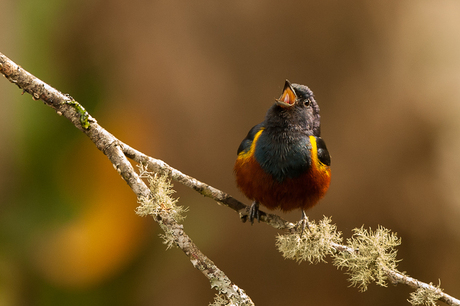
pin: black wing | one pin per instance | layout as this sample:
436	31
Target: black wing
246	143
323	153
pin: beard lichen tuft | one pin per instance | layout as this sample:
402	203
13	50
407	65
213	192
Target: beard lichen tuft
374	254
313	245
159	200
160	204
425	296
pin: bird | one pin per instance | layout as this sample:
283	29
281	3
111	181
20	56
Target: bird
283	163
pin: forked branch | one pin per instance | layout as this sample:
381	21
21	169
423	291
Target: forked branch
298	247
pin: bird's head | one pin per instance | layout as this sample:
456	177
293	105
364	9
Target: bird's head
297	106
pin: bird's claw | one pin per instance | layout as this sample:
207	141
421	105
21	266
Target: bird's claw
254	212
304	222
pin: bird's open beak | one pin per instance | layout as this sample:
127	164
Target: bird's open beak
288	97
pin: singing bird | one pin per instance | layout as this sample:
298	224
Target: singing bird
283	163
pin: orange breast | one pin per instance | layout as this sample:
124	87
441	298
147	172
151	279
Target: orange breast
300	192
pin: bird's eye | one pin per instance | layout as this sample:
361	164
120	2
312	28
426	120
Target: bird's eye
306	102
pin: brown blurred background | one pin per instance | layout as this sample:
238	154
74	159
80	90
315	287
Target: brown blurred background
184	81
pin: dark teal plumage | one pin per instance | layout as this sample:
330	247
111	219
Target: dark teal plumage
283	161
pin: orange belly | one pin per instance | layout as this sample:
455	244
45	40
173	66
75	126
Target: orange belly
301	192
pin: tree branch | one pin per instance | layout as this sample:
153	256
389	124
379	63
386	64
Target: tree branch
117	152
64	105
206	190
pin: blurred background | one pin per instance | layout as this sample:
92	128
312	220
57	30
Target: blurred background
184	81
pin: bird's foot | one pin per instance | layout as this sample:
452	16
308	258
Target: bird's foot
304	223
254	212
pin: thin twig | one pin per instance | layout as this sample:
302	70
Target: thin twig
397	277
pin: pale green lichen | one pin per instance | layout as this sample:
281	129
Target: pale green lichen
160	202
374	254
241	299
160	199
313	245
425	296
220	300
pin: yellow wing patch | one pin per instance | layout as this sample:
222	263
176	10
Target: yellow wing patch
250	152
316	163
